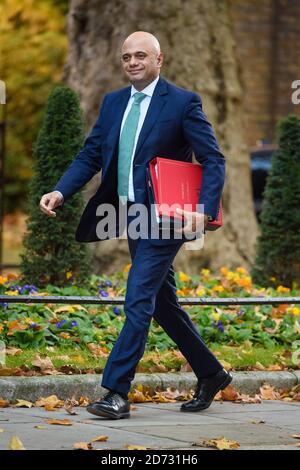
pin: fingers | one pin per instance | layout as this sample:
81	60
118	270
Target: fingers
49	202
194	222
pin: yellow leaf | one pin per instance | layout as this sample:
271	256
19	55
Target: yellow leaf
135	447
16	444
100	439
1	430
40	427
50	402
65	308
83	446
23	404
60	422
226	365
221	443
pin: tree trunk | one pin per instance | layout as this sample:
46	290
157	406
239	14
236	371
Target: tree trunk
196	38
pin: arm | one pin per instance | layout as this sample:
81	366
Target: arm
86	164
200	135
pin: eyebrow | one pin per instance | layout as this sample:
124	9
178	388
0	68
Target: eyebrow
136	52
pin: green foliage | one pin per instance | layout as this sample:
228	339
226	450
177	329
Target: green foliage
278	247
37	325
33	45
51	254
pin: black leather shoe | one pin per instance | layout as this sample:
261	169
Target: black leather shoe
111	406
206	390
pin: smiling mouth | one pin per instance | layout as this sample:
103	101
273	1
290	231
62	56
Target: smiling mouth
133	71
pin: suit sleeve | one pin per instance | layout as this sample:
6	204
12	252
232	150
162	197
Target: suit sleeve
86	164
200	135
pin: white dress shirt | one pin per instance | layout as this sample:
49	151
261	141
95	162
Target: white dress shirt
144	105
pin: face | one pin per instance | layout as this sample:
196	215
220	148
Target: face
141	62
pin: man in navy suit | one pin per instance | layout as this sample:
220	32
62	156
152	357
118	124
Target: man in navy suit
149	118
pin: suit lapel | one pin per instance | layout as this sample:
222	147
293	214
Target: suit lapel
156	104
120	107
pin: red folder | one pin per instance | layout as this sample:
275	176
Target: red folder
177	183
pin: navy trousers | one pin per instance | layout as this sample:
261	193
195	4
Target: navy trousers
151	293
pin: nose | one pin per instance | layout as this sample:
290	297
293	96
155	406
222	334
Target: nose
133	61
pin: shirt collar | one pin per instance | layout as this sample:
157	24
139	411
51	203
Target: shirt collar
149	90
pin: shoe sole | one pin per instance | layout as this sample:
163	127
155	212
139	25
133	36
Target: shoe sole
225	384
107	414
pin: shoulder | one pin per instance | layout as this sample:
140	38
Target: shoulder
182	94
111	96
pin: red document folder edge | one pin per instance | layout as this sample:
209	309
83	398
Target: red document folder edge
178	183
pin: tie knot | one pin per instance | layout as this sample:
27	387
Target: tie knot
138	97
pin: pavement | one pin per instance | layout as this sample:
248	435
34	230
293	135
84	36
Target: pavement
265	426
66	386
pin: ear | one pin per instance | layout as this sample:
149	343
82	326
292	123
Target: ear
160	59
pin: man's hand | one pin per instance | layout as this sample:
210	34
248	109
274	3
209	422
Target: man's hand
50	201
196	222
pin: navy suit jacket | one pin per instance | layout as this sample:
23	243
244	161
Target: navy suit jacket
175	126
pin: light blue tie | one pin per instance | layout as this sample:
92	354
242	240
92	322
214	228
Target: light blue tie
126	145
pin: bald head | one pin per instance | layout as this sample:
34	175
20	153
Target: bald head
142	38
141	58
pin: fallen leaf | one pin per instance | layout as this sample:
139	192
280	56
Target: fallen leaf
4	403
84	401
259	366
257	422
60	422
274	367
97	351
69	404
100	439
83	446
186	368
226	365
229	394
247	399
7	371
45	365
23	404
268	393
296	436
50	403
40	427
135	447
221	443
16	444
13	351
1	430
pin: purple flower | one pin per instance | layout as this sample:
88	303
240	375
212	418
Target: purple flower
3	304
32	326
103	293
74	323
28	287
108	283
117	310
218	325
61	323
